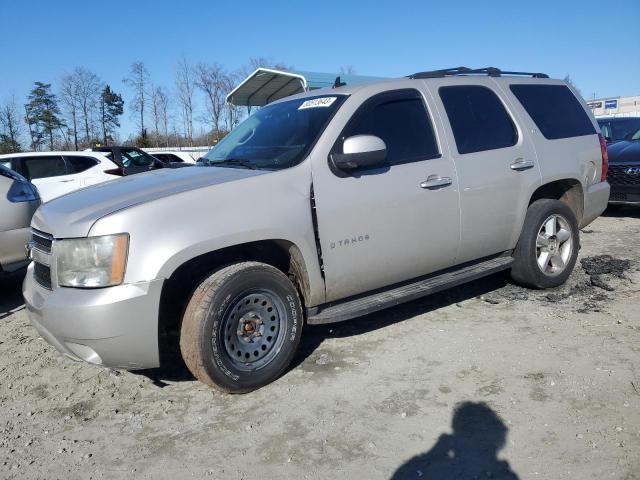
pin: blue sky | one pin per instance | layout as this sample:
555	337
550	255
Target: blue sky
596	43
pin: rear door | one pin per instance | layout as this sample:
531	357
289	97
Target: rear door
86	169
49	173
379	227
496	164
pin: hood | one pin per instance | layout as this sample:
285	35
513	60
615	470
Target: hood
624	152
72	215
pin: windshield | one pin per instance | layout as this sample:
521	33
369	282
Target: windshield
276	136
619	129
633	136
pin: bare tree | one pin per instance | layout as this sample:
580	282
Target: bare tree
210	78
69	100
347	70
185	85
233	113
162	99
138	80
10	127
88	88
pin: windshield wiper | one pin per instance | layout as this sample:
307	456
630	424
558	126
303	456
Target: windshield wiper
233	161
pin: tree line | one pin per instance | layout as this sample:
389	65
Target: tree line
82	110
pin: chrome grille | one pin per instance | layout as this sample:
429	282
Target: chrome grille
42	275
42	241
623	175
41	244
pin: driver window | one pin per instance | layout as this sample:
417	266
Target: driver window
401	120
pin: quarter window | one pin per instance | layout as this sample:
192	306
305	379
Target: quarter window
555	110
401	120
43	167
478	119
80	164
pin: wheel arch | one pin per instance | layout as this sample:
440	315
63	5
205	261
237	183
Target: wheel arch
567	190
183	279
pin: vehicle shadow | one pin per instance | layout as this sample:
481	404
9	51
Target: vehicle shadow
11	299
174	369
622	211
470	452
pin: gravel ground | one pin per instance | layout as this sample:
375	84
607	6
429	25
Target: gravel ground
488	380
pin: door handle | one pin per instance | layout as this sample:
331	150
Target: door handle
434	181
67	181
521	164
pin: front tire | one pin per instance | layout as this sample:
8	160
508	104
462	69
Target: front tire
241	327
548	246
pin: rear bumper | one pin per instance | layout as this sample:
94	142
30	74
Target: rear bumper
114	327
595	202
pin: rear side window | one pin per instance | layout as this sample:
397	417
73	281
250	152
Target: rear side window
555	110
80	164
401	120
43	167
478	119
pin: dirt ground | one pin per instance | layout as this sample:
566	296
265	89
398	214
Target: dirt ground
488	380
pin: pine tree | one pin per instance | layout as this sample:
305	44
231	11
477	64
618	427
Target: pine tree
111	107
43	115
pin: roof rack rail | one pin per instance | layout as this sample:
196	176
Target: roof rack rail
491	71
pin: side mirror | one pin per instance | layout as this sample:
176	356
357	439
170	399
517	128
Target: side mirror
361	151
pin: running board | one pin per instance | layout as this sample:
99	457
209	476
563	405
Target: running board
362	305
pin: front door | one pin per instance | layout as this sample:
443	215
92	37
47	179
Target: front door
384	226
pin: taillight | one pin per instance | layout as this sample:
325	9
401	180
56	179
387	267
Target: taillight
116	171
605	157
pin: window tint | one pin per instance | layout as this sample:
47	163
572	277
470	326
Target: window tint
43	167
167	157
617	129
136	158
401	120
478	119
80	164
555	110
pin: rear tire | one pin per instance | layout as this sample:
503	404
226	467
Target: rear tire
548	246
241	327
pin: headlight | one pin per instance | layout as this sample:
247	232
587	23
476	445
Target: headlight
92	262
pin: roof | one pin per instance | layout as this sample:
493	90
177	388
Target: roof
266	85
84	153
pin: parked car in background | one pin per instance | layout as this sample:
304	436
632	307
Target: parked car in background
624	170
174	156
337	203
133	160
19	200
615	129
58	173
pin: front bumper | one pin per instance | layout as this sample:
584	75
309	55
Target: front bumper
595	202
114	327
625	194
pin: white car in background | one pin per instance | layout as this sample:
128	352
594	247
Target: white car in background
58	173
174	156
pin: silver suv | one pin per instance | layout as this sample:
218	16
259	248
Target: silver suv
319	208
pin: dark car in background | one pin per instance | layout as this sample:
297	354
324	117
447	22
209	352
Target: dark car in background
133	160
624	170
615	129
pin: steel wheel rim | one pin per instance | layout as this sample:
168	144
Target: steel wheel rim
554	245
252	329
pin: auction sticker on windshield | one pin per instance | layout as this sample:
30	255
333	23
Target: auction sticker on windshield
317	102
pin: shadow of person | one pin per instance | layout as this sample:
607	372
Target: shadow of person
469	453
